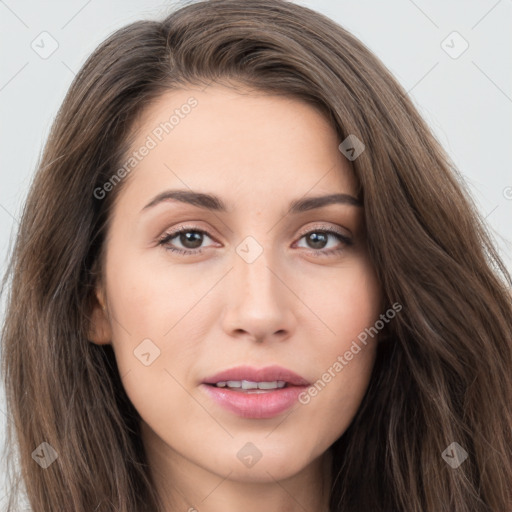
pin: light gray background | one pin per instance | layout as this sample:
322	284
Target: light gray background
466	100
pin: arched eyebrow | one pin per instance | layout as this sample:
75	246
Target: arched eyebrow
215	203
310	203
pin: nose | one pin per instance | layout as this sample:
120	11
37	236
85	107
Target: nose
258	305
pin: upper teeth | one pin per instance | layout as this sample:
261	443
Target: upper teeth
247	384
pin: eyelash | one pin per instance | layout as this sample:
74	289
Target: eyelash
167	237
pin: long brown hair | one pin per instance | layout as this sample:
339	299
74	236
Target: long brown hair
443	373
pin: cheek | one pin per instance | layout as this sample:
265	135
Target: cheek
345	355
149	306
150	300
348	304
159	315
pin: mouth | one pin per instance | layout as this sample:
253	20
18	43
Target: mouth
247	386
248	377
255	393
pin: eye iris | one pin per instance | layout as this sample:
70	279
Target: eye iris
194	239
318	240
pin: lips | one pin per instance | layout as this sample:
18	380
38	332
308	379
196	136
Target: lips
251	374
234	390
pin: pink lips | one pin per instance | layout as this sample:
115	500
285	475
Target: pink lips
261	405
267	374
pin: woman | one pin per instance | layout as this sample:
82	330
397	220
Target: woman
248	278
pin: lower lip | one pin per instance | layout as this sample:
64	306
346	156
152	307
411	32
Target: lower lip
255	405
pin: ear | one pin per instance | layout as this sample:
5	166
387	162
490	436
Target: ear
99	332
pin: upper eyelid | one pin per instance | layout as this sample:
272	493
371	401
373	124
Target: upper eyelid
169	235
184	227
323	227
173	233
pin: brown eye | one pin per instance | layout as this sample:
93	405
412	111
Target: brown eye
191	239
185	240
318	240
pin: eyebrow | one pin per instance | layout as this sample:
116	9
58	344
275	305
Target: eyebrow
214	203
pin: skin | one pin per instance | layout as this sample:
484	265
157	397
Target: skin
294	306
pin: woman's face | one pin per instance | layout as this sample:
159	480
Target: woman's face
264	285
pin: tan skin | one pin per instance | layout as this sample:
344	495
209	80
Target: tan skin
296	305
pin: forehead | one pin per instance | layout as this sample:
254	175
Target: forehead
225	140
